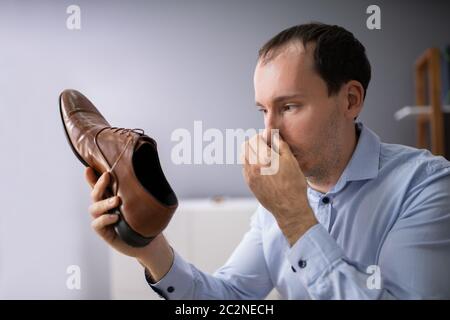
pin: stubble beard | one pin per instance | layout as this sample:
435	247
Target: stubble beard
328	154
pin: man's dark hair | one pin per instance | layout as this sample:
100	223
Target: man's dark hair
338	56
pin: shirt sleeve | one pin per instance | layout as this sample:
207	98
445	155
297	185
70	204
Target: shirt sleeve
244	275
413	260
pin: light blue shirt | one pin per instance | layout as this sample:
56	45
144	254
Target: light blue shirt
384	233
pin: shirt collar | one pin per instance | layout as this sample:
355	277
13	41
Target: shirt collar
364	163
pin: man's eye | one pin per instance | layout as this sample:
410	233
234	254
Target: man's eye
262	110
290	107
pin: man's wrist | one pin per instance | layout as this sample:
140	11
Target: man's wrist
158	258
298	226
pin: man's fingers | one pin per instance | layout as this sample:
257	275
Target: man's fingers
91	176
250	153
256	151
261	150
100	223
100	187
264	151
280	145
267	136
101	207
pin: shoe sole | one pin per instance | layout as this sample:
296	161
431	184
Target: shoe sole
121	227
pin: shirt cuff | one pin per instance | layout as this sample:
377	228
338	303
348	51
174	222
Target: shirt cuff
315	253
176	283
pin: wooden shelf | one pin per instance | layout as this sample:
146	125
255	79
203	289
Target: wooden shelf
414	111
428	112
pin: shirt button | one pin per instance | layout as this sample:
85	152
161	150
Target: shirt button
325	200
170	289
293	269
302	263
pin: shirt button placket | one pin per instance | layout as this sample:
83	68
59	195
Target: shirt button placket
325	211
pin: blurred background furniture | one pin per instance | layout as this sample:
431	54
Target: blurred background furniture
431	92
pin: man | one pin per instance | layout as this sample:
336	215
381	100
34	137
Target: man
343	208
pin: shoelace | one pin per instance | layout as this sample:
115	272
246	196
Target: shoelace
120	131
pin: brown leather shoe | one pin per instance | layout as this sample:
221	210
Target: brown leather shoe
147	200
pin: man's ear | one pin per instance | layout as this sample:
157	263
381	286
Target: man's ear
354	95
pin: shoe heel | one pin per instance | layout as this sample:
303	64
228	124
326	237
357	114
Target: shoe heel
128	235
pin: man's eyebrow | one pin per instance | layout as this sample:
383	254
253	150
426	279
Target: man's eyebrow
283	98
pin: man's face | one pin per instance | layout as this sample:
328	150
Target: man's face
294	99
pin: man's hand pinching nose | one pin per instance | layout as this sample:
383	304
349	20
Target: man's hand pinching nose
282	192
